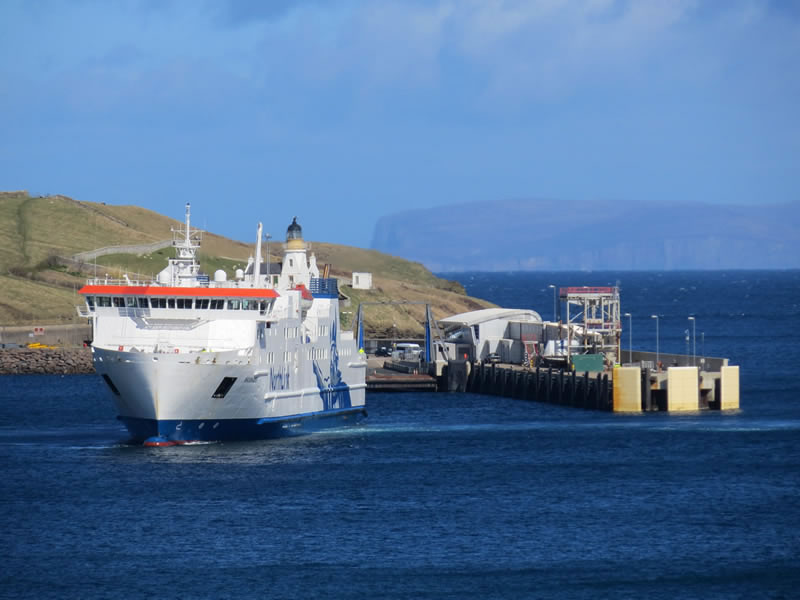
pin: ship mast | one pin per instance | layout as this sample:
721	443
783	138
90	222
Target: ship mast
257	265
183	269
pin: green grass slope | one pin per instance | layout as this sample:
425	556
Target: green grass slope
36	289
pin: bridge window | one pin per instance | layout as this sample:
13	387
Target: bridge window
233	305
201	303
158	302
119	302
130	302
217	304
170	302
142	302
184	302
90	302
103	301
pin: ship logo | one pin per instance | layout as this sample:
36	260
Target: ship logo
279	380
335	393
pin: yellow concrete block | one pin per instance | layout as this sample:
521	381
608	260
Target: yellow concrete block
683	389
729	388
627	389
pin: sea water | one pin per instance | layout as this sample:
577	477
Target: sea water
435	495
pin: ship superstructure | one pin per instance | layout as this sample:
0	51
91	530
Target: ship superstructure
190	358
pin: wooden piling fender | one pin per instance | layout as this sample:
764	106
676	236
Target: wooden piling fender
529	385
607	401
573	391
585	391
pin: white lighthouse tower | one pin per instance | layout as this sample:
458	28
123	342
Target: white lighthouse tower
298	268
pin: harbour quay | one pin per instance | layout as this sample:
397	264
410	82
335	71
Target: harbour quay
632	387
623	389
575	360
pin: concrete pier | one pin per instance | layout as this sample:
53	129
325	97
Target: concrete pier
729	388
683	389
626	389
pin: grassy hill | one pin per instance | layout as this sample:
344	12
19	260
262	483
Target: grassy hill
36	290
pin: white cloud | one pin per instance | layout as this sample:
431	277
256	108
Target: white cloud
548	49
504	52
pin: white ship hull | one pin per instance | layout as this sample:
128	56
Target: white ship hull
171	396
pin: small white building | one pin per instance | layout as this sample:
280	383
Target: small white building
478	333
362	281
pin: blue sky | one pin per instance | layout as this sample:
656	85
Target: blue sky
340	112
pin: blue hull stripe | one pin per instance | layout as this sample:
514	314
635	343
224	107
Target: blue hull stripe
311	415
211	430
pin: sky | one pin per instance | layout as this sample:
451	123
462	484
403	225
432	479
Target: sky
342	111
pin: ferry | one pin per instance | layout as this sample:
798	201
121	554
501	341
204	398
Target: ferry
190	358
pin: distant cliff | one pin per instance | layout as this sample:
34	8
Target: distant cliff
560	235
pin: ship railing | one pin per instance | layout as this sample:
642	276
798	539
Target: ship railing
199	282
114	281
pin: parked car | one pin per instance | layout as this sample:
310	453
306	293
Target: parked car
494	357
382	351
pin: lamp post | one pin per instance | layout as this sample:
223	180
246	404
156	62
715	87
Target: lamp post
554	301
694	342
657	354
630	337
703	347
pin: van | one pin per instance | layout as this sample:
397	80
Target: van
406	351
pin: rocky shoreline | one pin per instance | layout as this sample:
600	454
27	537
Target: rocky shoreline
42	361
